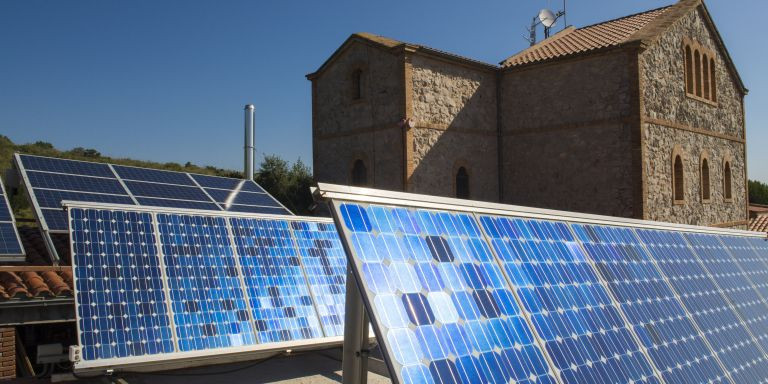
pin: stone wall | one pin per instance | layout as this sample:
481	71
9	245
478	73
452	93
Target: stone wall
665	100
7	353
454	108
345	129
659	143
663	77
567	135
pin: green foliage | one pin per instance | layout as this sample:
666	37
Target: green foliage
287	183
758	192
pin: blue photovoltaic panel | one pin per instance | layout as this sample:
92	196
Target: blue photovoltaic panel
227	183
733	281
72	167
55	219
650	306
121	306
75	183
153	202
166	191
713	314
9	240
441	305
5	208
153	175
750	260
246	198
325	265
209	307
584	332
48	198
282	307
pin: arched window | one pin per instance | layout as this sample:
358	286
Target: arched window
357	84
705	186
705	70
678	179
727	191
462	183
688	70
697	71
359	173
712	80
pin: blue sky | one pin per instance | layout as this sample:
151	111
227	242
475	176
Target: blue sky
167	80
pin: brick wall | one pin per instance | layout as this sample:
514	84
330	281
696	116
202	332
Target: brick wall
7	353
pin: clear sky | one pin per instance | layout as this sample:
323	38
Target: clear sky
167	80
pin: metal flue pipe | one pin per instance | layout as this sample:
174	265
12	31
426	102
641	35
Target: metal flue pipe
249	146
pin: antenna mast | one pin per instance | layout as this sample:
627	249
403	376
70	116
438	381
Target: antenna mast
548	19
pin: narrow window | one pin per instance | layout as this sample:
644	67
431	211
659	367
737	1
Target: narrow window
688	70
706	77
678	182
727	192
705	180
712	80
462	183
697	69
357	84
359	173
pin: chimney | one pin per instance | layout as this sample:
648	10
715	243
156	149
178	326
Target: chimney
249	142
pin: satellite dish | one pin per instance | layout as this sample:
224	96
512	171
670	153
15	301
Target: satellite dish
547	18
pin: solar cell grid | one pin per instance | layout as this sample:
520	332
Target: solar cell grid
153	175
733	281
650	306
325	264
72	167
227	183
240	197
55	219
120	299
277	210
5	208
9	240
584	333
167	191
48	198
209	307
442	307
185	204
713	314
281	304
75	183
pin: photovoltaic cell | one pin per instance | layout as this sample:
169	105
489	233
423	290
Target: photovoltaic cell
209	307
55	218
246	198
121	306
571	310
227	183
442	307
75	183
48	198
658	318
9	240
72	167
153	202
254	209
713	314
153	175
325	265
282	307
5	207
166	191
733	281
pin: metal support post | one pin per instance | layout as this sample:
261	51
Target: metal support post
355	355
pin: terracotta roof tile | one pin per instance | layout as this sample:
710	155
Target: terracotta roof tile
759	224
572	41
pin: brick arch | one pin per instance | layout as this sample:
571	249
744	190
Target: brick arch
677	174
727	172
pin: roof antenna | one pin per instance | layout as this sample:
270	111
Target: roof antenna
546	18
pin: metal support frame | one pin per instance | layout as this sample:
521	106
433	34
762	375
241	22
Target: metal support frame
354	364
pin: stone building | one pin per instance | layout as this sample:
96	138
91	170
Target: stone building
641	116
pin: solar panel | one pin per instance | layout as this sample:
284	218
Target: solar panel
281	304
439	301
50	181
655	312
712	313
718	254
325	264
10	242
571	310
157	285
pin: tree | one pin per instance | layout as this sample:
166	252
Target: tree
289	184
758	192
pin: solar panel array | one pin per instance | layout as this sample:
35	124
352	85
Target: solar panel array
157	284
50	181
10	243
550	300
